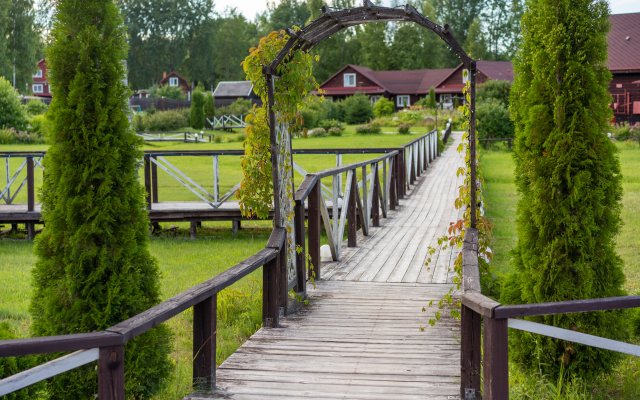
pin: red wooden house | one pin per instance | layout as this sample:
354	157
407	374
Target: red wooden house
624	64
173	79
40	82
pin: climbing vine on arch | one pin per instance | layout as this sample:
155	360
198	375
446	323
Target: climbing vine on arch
293	83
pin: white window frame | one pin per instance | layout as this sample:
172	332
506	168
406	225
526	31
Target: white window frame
349	80
38	74
39	86
174	81
403	101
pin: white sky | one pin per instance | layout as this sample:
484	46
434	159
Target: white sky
252	7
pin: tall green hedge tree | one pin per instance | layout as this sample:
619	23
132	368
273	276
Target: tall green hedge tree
94	268
568	176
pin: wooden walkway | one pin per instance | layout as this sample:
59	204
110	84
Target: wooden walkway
361	335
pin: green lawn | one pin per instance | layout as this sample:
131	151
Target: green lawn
501	197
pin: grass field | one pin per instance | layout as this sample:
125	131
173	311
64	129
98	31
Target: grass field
501	198
185	263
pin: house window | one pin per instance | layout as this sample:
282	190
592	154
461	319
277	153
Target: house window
173	81
349	80
374	99
38	74
403	101
37	88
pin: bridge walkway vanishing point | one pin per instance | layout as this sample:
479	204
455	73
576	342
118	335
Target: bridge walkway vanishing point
360	337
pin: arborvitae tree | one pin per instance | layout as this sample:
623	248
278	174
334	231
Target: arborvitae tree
196	114
94	268
568	177
432	103
209	106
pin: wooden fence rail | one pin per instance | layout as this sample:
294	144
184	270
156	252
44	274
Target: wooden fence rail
478	309
360	205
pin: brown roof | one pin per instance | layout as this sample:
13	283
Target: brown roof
624	42
496	70
395	82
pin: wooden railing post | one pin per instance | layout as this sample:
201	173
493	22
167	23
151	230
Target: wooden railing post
111	373
496	359
471	325
31	198
352	215
412	167
154	181
375	197
270	312
283	279
204	344
393	184
314	230
400	174
301	254
147	180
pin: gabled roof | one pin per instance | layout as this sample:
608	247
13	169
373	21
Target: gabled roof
624	42
496	70
395	82
233	89
173	74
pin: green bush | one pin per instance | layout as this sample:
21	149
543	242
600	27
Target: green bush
209	106
369	129
12	114
169	92
317	132
494	122
36	107
383	107
12	136
93	267
404	129
40	125
309	117
196	115
162	121
494	90
625	131
357	109
332	110
137	122
331	123
238	107
335	131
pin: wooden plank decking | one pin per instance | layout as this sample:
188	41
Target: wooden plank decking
360	337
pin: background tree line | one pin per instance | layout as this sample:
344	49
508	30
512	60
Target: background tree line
206	47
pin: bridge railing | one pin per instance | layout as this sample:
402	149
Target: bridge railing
478	310
107	347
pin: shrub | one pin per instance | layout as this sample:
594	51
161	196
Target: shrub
383	107
12	136
368	129
162	121
625	131
335	131
569	185
170	92
209	106
196	114
40	125
137	122
317	132
238	107
494	90
309	118
36	107
331	123
404	129
332	110
357	109
93	265
12	114
494	121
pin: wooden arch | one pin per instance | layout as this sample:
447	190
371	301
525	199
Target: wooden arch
333	21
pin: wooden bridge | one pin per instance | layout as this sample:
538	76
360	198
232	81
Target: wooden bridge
364	334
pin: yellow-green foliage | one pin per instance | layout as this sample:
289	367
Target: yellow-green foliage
568	176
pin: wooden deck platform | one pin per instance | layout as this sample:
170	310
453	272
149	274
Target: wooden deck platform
361	335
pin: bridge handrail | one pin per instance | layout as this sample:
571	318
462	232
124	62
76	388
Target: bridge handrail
498	318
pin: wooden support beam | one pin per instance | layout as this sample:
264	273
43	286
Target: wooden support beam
270	311
375	198
154	181
301	254
496	359
470	329
111	373
31	198
204	344
314	230
147	180
352	217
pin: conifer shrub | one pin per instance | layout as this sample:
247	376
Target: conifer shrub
209	106
357	109
12	114
494	121
94	268
196	116
383	107
568	177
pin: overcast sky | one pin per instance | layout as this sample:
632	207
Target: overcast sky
251	7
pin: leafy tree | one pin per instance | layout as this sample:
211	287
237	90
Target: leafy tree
12	114
19	41
458	14
285	14
374	51
196	115
494	89
234	37
383	107
568	178
357	109
494	121
94	268
501	22
406	47
170	92
475	44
